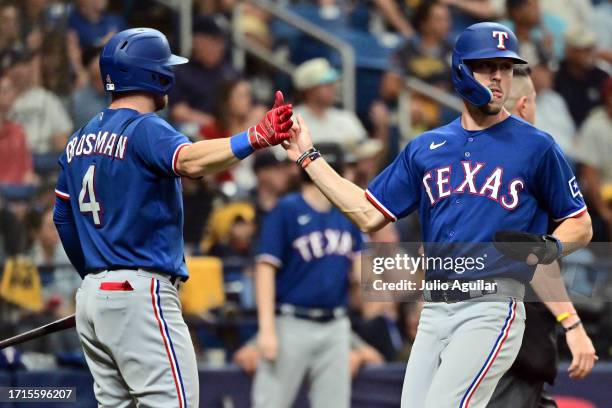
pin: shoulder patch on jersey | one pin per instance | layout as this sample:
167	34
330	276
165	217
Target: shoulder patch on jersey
574	187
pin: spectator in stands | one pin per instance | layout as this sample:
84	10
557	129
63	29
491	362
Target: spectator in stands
364	161
409	316
193	98
55	73
12	234
35	22
594	152
49	256
90	25
426	55
603	29
564	15
316	80
234	111
526	19
468	12
578	80
213	6
38	110
90	99
273	180
378	326
229	236
198	199
552	115
570	14
396	15
15	157
9	28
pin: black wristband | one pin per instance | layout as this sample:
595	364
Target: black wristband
311	153
573	326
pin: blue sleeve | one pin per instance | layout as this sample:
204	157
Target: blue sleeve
396	190
556	185
158	144
61	187
272	237
64	222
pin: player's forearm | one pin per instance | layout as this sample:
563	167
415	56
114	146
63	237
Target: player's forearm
346	196
548	284
574	233
206	157
265	292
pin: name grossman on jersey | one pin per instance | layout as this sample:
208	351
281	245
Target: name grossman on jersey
408	285
102	143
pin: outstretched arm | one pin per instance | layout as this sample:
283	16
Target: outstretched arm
211	156
346	196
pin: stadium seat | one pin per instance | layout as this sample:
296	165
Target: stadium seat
204	288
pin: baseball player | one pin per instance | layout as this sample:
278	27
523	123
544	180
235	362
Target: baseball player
120	218
470	180
304	263
523	384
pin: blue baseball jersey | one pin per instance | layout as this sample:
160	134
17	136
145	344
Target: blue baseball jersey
119	174
312	250
467	185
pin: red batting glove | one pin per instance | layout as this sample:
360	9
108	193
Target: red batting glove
274	127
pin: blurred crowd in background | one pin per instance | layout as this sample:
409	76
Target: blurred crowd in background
50	86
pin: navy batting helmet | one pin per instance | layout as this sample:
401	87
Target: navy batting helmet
481	41
138	59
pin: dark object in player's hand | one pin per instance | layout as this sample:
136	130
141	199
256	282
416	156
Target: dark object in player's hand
526	247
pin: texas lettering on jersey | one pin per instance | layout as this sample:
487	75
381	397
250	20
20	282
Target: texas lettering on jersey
437	184
318	244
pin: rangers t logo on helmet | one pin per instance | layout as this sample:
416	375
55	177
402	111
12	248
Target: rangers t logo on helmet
501	36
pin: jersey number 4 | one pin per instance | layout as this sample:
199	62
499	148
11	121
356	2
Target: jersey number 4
88	191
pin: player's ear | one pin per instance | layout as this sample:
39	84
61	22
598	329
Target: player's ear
521	106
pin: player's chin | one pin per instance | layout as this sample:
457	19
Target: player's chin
493	107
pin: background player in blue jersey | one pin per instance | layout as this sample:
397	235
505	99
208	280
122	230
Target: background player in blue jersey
120	218
304	266
523	384
483	173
